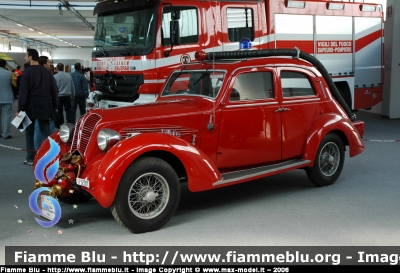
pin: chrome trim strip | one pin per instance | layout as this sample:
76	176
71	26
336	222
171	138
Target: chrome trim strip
304	100
278	168
252	104
322	88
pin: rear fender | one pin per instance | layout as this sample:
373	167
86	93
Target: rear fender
326	124
201	171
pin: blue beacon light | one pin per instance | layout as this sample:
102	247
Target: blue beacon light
244	44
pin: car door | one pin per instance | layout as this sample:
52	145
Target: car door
301	106
250	131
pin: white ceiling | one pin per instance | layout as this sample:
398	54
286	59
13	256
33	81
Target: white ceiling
73	27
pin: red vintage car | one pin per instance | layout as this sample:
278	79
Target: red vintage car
228	118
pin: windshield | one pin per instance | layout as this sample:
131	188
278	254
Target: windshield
131	30
194	82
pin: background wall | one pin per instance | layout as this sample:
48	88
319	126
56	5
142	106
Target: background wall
391	90
72	55
18	58
67	56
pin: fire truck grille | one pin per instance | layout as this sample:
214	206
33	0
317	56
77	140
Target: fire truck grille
83	132
124	87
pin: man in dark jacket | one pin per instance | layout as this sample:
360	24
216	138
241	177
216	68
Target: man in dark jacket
81	91
38	97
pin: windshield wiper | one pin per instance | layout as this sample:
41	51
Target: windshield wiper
102	50
172	79
202	76
129	49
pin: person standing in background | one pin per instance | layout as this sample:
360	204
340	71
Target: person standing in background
38	97
38	140
81	92
14	83
17	74
53	69
6	99
66	93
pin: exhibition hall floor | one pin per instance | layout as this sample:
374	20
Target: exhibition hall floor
360	209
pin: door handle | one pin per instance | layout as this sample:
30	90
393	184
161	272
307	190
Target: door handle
282	109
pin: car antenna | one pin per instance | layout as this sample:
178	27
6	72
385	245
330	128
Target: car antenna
210	125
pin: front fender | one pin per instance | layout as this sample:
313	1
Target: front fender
328	123
201	171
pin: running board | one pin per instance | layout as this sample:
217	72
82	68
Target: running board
249	173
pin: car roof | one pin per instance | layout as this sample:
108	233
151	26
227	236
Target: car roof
232	64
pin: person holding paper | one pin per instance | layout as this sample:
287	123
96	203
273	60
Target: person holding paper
38	97
6	99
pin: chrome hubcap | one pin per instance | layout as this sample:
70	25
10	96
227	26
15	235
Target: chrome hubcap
148	196
329	159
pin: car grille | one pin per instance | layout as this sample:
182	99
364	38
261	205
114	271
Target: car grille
83	132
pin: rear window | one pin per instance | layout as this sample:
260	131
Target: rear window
295	84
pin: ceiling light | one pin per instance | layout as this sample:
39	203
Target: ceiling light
296	4
368	8
40	32
19	25
336	6
30	29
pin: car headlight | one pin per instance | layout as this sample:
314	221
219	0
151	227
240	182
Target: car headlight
107	138
66	132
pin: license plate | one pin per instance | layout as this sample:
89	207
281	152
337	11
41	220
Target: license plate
83	182
47	207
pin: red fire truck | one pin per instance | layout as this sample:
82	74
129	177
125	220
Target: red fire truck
138	43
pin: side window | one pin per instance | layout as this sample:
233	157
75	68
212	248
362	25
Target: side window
296	84
240	24
252	86
188	25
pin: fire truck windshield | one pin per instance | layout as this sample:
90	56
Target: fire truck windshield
194	82
130	31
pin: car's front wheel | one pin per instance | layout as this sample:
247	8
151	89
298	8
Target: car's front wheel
148	195
328	162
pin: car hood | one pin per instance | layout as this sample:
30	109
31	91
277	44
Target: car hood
174	108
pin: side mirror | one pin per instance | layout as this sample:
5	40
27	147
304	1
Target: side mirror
175	34
175	15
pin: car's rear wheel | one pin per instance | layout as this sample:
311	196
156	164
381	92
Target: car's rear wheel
147	196
328	162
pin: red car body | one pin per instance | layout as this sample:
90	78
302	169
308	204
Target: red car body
212	140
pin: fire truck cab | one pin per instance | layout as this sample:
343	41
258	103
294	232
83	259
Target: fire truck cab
138	43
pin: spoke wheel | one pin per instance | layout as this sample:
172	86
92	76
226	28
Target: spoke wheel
329	159
328	162
147	196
